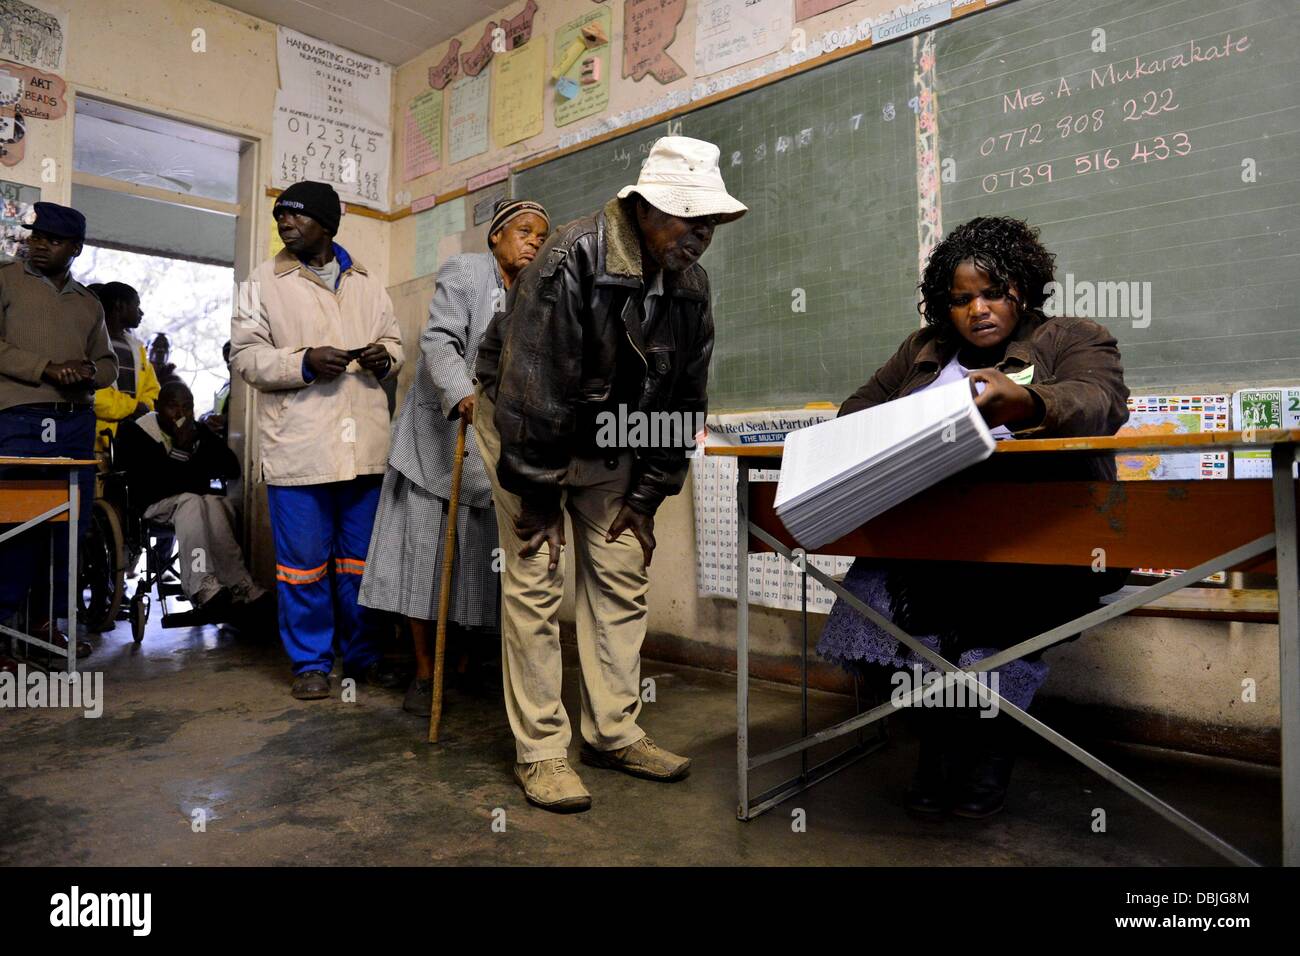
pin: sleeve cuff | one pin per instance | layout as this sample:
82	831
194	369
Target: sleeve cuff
1046	421
449	409
308	375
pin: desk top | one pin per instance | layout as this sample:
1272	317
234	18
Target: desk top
1200	441
49	462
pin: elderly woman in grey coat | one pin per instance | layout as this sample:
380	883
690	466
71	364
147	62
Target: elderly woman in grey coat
404	565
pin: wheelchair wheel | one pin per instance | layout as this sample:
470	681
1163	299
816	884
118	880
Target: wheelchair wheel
139	616
101	568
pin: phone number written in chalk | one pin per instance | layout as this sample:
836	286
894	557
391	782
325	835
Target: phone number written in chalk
1144	151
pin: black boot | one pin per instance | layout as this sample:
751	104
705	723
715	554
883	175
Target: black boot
928	794
983	787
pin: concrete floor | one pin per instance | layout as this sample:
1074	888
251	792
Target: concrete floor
202	719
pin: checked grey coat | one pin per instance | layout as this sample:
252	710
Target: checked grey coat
424	435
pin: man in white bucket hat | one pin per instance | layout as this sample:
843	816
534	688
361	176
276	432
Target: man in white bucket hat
611	323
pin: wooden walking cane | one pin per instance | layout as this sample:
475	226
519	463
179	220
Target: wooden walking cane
444	589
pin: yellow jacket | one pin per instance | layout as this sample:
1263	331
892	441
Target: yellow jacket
113	406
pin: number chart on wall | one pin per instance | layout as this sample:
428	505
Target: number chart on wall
331	119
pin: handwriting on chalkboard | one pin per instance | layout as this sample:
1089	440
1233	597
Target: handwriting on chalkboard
649	28
446	69
1088	139
1114	74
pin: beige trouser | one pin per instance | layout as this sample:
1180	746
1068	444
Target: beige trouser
611	587
210	557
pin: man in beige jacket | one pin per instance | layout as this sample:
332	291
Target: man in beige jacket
314	333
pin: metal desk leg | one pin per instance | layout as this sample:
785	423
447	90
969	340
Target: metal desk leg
742	638
1288	606
74	512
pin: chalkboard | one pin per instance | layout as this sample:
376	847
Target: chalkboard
824	160
1165	165
1168	189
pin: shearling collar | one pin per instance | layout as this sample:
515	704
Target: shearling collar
621	250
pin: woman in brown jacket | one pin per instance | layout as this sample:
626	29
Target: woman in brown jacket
1038	377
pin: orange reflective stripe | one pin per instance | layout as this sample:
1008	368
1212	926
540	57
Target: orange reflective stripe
349	566
298	575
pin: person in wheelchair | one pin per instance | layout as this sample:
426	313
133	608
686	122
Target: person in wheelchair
170	461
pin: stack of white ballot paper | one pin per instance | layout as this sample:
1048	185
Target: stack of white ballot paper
839	474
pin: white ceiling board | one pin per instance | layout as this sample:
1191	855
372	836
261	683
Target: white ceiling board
390	30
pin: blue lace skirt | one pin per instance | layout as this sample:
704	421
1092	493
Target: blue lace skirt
849	637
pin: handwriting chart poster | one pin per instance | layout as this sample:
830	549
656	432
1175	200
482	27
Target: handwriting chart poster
590	70
467	128
517	92
331	119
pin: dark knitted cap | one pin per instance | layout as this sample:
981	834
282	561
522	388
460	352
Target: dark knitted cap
317	200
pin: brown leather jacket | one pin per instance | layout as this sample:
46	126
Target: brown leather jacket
569	346
1078	376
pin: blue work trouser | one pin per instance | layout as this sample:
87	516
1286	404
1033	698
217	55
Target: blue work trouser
321	536
43	431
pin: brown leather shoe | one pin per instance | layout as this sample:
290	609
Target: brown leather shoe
644	758
552	785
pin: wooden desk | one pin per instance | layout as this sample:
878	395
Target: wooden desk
1204	526
28	503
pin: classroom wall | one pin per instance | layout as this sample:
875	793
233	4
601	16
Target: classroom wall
1171	682
625	94
139	54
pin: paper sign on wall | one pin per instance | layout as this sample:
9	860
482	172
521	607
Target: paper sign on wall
16	212
517	89
423	134
468	123
33	36
729	33
649	28
589	68
331	119
431	227
773	580
1262	409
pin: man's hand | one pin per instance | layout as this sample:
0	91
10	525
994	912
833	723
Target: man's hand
465	408
183	435
69	373
1003	401
375	359
214	421
141	409
327	362
641	526
537	529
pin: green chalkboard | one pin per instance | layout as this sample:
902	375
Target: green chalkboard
1171	184
815	287
1166	165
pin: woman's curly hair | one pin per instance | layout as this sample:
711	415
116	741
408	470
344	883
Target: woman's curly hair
1007	249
